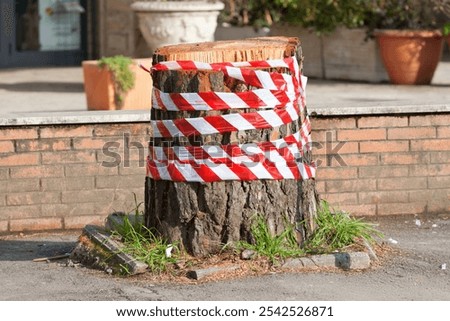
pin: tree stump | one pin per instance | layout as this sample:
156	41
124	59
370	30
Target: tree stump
202	217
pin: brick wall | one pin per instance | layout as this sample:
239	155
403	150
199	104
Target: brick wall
55	177
58	177
384	165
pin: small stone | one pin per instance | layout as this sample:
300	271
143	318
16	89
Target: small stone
444	266
392	241
434	225
248	254
418	223
109	270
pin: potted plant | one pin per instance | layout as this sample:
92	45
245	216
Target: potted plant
171	22
114	83
409	38
332	35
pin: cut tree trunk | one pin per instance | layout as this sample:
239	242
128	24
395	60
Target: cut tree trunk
203	217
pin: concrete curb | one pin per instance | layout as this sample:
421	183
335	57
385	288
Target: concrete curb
345	261
103	239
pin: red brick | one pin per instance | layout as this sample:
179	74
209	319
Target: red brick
360	210
335	147
76	170
98	143
37	171
18	133
124	199
68	157
430	170
402	208
439	182
88	196
42	145
120	182
383	171
3	174
340	173
136	129
338	199
24	211
412	133
136	152
320	187
6	147
359	160
2	200
134	168
22	185
67	131
383	146
79	222
382	121
320	136
4	226
402	183
67	183
430	120
430	145
19	159
383	197
32	198
430	195
405	158
361	134
438	207
333	123
443	132
79	209
351	185
440	157
36	224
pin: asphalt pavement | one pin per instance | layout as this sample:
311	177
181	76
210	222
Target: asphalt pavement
416	268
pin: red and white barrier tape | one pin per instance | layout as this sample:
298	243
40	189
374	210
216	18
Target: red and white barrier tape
282	94
289	148
209	171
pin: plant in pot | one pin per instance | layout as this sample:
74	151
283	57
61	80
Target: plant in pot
114	83
172	22
331	32
409	38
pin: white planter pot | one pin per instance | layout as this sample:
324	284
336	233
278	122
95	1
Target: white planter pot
174	22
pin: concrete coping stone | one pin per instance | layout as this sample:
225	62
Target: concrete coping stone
133	116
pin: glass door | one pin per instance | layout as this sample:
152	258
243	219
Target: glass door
42	32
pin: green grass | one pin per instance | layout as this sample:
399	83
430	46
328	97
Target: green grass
141	243
274	247
337	230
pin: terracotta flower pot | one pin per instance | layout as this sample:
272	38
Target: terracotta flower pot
99	87
410	57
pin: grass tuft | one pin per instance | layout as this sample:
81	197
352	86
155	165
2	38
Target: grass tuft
274	247
141	243
336	230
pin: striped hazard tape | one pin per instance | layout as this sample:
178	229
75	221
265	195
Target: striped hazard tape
280	98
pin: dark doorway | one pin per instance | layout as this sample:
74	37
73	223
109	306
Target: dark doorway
42	32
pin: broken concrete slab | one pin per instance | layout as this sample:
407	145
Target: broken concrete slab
199	274
106	253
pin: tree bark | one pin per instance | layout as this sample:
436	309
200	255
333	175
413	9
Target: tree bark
202	217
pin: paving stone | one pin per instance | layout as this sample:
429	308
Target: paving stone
199	274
